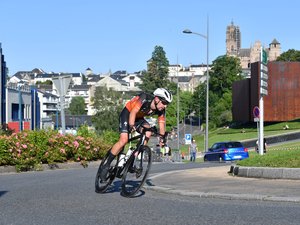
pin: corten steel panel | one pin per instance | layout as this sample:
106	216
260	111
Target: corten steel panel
241	101
283	100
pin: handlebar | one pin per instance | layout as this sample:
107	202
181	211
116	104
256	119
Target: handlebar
146	129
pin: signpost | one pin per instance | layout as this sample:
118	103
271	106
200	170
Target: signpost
62	84
263	90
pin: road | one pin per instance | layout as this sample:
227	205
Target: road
67	197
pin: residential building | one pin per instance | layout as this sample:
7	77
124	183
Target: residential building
49	107
3	74
188	78
22	107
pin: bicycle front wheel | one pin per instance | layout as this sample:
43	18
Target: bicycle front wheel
136	171
101	185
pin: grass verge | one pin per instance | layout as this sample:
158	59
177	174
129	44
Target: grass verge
286	156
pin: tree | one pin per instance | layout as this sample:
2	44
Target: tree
108	99
108	105
77	106
225	71
184	108
291	55
157	73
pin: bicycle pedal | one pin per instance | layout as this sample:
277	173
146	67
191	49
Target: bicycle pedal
138	172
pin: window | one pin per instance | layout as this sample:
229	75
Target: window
15	112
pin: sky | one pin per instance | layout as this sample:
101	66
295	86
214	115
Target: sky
73	35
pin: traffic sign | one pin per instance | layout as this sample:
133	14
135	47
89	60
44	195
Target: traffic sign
256	112
264	73
263	83
263	91
62	84
264	68
188	139
264	57
264	76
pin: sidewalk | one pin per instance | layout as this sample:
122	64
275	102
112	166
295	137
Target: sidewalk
215	182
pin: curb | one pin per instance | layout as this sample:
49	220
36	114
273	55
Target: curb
265	172
45	167
225	196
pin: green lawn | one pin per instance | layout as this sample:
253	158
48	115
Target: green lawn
283	155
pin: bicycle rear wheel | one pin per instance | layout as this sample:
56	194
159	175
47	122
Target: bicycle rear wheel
136	171
101	186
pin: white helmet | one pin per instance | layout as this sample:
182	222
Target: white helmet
163	94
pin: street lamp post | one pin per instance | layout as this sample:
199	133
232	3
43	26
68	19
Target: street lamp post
187	31
178	134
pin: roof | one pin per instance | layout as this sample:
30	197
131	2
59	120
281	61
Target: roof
21	74
80	87
94	78
120	72
46	75
244	52
275	41
47	94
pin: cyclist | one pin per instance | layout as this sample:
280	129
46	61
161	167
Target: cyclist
133	113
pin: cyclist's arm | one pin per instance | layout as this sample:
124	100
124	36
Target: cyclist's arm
132	116
162	125
162	130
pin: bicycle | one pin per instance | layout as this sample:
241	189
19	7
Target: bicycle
132	168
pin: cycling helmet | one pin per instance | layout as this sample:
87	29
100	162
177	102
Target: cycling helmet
163	94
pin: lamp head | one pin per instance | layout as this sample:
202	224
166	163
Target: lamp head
187	31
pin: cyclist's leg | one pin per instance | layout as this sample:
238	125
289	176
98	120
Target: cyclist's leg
144	123
117	147
123	129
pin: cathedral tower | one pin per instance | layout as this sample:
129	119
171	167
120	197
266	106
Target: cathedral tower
233	40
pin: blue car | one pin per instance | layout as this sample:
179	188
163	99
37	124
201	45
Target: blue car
226	151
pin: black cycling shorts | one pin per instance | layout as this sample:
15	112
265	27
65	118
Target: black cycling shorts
124	121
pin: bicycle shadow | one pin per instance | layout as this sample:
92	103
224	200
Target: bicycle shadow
116	186
3	193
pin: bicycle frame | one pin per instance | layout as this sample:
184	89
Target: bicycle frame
141	137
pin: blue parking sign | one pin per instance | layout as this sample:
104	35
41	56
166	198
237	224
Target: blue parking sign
188	139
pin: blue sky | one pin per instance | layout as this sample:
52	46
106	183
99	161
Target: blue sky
72	35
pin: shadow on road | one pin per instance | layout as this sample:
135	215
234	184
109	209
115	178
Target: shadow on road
3	193
117	187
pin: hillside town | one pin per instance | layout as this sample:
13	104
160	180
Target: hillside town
33	95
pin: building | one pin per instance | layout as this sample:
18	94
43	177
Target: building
48	108
248	55
22	111
3	74
188	78
233	40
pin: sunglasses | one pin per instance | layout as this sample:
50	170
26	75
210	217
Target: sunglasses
164	102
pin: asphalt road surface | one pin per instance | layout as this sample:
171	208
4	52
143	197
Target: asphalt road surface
67	197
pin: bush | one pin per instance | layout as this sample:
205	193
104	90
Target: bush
28	149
